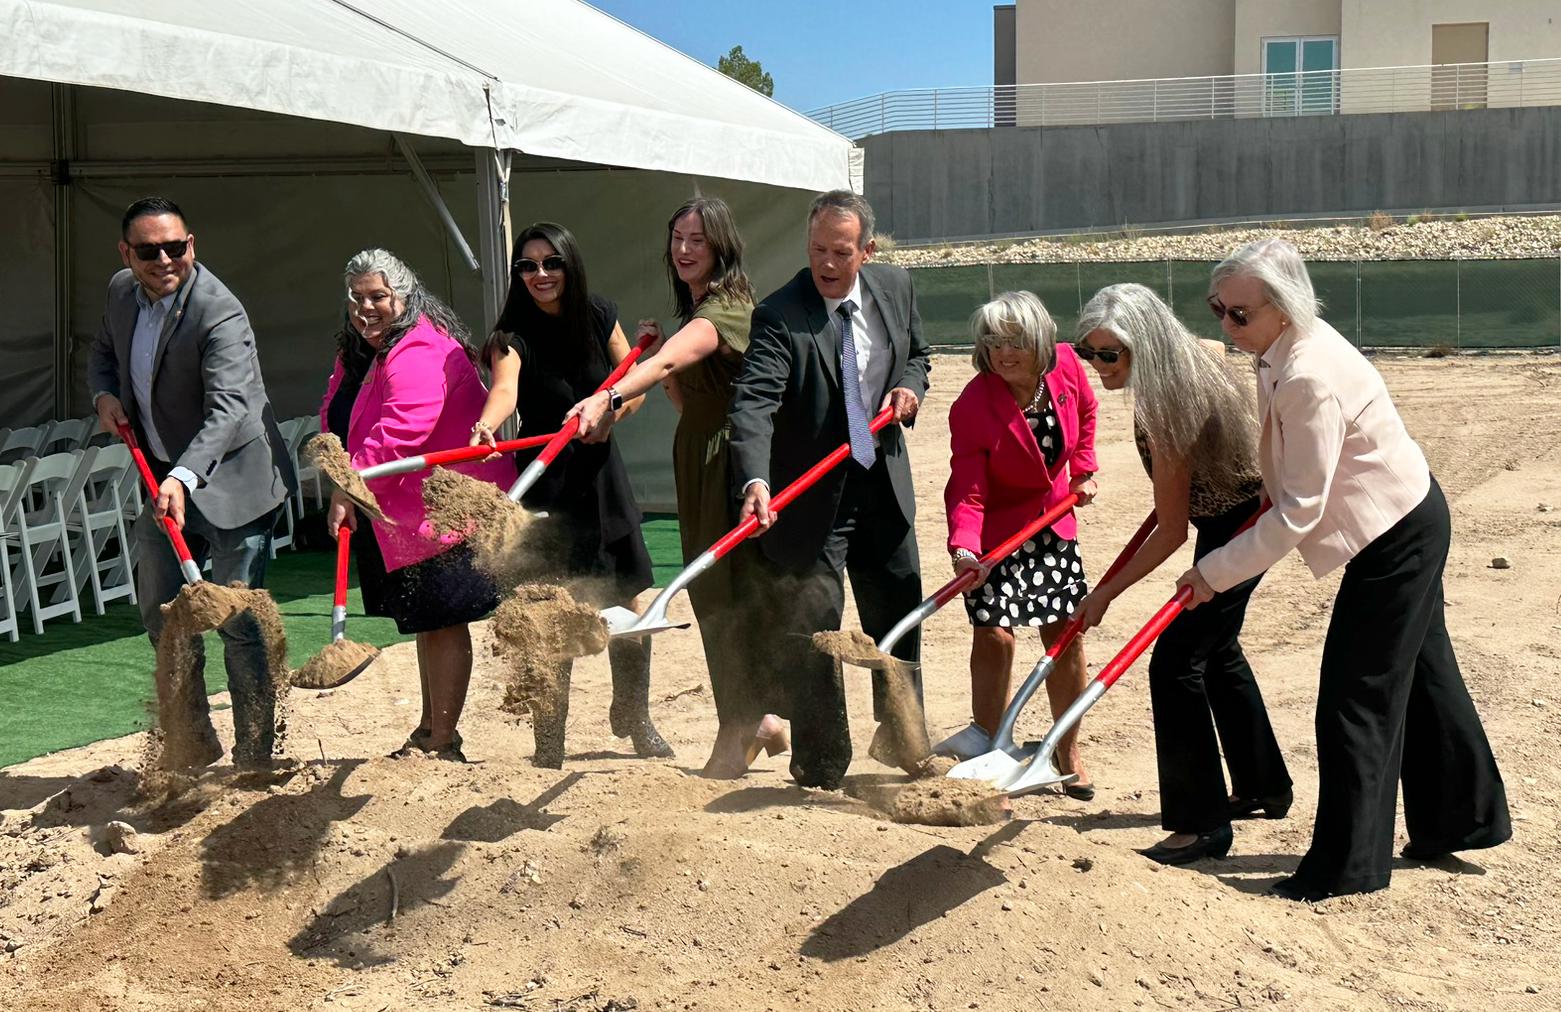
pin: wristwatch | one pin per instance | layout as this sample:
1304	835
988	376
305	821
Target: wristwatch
614	399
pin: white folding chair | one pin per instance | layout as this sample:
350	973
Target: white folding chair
98	514
304	428
22	443
63	437
12	479
45	537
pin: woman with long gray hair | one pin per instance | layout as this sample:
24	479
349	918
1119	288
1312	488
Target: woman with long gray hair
1351	488
421	392
1196	433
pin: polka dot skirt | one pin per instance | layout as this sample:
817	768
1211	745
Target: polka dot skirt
1039	584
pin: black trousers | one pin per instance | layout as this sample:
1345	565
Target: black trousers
1198	672
876	545
1392	704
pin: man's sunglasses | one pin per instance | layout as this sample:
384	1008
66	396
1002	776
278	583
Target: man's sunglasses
528	267
1238	315
150	251
1106	355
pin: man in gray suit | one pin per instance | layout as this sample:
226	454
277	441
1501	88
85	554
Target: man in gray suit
830	349
175	358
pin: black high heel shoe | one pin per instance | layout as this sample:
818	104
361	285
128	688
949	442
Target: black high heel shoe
1275	806
1215	843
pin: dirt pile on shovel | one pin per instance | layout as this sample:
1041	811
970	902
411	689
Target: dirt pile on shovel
503	536
326	452
901	739
334	665
182	741
537	629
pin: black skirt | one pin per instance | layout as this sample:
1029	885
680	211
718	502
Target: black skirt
1039	584
445	590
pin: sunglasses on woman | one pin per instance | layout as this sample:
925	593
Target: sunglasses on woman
528	267
150	251
1239	315
1107	355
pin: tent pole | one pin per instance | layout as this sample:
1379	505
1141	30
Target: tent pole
63	105
493	223
431	191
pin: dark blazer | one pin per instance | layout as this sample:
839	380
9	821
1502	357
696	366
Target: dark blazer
209	400
787	408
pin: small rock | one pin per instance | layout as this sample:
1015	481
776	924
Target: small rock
1083	863
1097	979
1539	703
1531	989
1545	507
1500	562
1007	905
12	945
578	903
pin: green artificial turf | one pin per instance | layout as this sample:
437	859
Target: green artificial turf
78	684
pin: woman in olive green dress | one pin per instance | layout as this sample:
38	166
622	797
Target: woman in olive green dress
697	366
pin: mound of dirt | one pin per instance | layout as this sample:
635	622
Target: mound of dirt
326	452
943	802
338	663
507	542
183	740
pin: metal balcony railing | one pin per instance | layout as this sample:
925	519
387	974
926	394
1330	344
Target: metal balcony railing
1426	88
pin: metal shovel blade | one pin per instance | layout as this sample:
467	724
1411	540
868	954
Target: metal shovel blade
997	767
1040	772
966	743
625	622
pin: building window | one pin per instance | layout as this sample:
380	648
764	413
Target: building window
1301	76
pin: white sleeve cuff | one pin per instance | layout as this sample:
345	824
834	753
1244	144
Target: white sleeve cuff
751	482
186	477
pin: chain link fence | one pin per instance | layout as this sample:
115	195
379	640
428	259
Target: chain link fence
1375	303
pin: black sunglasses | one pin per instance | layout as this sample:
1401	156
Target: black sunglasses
1106	355
552	265
149	251
1238	315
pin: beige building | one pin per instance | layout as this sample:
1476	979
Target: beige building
1301	46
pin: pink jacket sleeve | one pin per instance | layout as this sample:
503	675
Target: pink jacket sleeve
1083	459
331	386
416	382
965	494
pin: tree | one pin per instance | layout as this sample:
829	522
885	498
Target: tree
750	72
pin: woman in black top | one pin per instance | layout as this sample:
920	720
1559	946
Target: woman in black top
553	345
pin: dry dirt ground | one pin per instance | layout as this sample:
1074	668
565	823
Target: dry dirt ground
363	883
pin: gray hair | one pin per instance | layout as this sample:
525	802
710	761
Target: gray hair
1017	317
1185	397
420	302
1278	267
845	202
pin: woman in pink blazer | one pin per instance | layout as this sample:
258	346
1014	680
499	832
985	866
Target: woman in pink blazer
421	393
1350	488
1023	438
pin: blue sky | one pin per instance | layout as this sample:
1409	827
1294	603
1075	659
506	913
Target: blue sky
883	45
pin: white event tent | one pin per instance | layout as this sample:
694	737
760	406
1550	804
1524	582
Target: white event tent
295	132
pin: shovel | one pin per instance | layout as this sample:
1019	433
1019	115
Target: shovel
459	455
555	444
1039	772
624	622
192	572
342	660
1003	757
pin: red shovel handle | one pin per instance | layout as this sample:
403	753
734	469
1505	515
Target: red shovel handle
343	562
1156	625
461	454
571	428
967	579
737	535
1075	626
179	547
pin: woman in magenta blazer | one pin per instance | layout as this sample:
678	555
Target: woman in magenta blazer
1023	438
421	393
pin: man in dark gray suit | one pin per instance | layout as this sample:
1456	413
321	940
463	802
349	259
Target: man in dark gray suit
828	351
175	358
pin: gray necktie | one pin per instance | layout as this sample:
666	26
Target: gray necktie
851	382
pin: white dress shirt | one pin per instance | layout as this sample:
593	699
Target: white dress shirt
872	345
143	356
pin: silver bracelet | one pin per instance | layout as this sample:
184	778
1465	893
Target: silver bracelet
965	553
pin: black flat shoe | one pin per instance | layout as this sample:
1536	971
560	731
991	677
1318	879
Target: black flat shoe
1215	843
1275	806
1080	792
1293	889
1416	852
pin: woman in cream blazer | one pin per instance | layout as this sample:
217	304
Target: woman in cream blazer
1350	488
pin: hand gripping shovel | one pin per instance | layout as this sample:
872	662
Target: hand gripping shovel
1004	757
623	622
342	659
1039	771
571	428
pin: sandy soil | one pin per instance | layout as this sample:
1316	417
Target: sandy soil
363	883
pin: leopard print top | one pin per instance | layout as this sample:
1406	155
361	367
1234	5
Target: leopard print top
1211	494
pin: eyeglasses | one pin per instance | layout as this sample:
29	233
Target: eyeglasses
1239	315
149	251
1107	355
528	267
